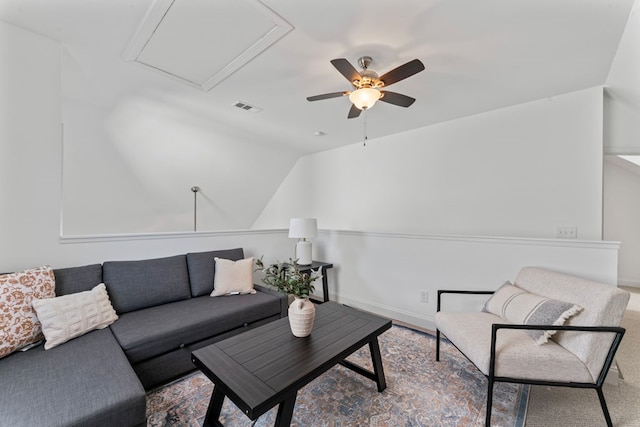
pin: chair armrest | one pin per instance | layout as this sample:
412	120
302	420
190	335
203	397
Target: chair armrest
453	291
618	331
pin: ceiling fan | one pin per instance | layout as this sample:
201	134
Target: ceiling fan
368	86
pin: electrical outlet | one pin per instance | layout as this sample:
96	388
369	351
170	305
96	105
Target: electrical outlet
424	296
567	232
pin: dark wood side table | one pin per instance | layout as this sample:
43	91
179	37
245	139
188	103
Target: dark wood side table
325	284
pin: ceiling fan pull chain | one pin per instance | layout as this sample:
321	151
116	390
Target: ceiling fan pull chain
365	128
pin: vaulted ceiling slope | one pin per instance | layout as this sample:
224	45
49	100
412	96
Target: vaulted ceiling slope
479	56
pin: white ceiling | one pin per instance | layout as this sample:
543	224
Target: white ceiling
479	56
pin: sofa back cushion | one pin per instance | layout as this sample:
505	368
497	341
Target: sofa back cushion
77	279
133	285
602	305
202	268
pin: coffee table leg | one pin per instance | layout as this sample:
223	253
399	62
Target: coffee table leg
376	359
214	409
285	411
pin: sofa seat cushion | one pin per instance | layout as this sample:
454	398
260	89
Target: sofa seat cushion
84	382
147	333
517	355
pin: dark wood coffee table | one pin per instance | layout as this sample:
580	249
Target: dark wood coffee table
266	366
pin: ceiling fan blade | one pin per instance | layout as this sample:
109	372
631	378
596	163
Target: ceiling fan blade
397	98
326	96
402	72
346	69
354	112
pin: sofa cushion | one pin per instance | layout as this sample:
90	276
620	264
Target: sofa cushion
233	277
85	382
202	268
520	307
70	316
77	279
517	355
147	333
133	285
19	325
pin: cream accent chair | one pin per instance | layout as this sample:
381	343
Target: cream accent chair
578	355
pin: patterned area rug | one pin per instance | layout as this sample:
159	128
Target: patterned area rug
420	392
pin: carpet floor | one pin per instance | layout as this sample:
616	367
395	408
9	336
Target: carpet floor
420	392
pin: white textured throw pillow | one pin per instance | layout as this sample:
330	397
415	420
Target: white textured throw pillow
233	277
522	308
70	316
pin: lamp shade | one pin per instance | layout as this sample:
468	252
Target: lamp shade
364	98
303	228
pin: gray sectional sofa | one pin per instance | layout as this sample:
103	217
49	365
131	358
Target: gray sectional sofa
165	312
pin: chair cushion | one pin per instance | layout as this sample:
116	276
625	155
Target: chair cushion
517	354
133	285
602	305
202	268
147	333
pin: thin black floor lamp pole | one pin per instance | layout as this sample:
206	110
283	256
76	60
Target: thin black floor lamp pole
195	190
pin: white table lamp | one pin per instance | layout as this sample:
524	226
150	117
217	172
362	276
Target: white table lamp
303	229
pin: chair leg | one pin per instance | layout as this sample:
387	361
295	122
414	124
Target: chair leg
487	422
605	411
437	345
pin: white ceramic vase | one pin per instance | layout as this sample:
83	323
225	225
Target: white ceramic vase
302	312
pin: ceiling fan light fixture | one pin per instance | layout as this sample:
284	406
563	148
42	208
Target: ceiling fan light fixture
364	98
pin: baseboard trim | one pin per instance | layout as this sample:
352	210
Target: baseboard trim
408	317
628	282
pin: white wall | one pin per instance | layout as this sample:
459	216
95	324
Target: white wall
622	215
385	273
622	136
622	100
520	171
132	156
30	177
29	147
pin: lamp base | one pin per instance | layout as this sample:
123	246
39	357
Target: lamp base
303	252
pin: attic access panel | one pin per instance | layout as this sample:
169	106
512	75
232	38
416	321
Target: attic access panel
202	42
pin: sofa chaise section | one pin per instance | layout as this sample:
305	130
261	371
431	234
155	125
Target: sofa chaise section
84	382
165	312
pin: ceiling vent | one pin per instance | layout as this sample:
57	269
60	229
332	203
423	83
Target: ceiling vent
246	107
188	39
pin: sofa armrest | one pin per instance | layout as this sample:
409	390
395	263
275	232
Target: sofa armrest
618	331
453	291
284	300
